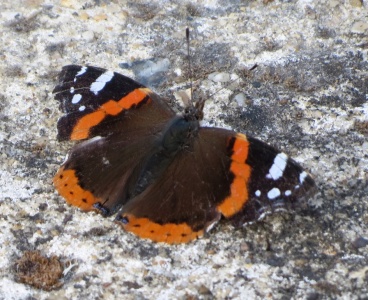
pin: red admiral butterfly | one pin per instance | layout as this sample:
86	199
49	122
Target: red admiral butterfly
168	179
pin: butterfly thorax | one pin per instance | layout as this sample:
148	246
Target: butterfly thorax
177	136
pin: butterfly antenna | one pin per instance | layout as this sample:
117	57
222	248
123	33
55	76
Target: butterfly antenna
231	81
189	64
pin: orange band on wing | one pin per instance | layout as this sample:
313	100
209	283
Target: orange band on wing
240	148
169	233
67	184
82	128
241	171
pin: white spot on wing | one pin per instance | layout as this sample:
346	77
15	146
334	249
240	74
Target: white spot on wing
258	193
287	193
277	169
302	176
81	72
274	193
76	98
72	90
82	108
101	81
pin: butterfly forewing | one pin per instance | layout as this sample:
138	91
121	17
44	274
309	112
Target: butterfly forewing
276	183
98	102
120	118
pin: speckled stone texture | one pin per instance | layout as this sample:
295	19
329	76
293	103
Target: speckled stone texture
308	96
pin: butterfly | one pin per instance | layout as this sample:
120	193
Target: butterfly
167	178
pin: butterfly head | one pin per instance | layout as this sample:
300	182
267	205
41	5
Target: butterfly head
194	111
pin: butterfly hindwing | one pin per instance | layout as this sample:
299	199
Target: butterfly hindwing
181	203
97	172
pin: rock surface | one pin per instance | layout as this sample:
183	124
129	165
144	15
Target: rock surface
308	96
